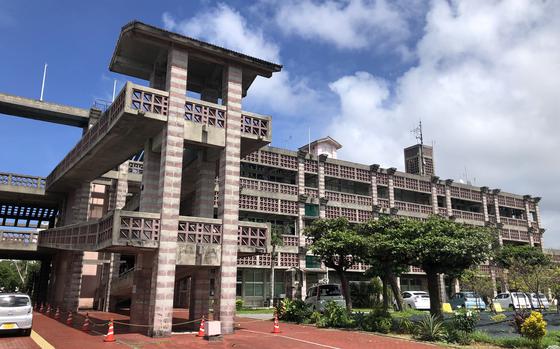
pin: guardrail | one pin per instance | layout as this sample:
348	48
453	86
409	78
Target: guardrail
133	99
268	186
17	180
473	216
206	113
413	207
18	238
199	230
513	221
348	198
251	234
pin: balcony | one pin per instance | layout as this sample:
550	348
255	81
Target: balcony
18	240
468	216
345	198
205	124
137	114
248	184
413	207
513	221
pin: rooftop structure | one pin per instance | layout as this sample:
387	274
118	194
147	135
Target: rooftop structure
173	198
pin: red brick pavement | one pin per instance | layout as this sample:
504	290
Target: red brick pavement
15	341
250	334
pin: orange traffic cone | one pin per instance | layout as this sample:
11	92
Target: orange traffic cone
48	313
201	328
110	337
85	326
57	314
41	308
276	328
69	319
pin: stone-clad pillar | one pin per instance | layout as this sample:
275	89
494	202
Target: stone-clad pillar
496	205
373	169
449	207
170	175
537	210
433	189
200	292
321	181
122	186
484	195
228	208
73	283
149	200
300	222
391	186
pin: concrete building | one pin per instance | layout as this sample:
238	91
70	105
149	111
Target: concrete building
170	196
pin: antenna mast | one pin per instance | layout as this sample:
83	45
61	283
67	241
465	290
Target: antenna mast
420	138
43	83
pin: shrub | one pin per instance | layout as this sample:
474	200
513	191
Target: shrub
239	304
377	320
498	317
459	337
335	316
364	294
293	310
430	328
403	325
519	318
534	327
464	320
314	317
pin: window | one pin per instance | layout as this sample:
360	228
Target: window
312	262
329	290
311	210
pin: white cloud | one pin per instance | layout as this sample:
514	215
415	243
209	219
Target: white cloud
355	24
486	89
224	26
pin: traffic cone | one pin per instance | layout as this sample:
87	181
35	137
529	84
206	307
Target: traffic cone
201	328
69	319
85	326
110	337
41	308
276	328
57	314
48	313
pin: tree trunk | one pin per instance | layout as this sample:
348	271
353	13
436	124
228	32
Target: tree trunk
396	291
385	294
272	276
433	290
345	289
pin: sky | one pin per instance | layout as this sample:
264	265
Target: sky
481	75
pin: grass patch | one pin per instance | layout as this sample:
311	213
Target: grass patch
516	341
256	311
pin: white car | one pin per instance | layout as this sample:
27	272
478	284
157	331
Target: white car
513	300
416	300
538	303
16	312
319	296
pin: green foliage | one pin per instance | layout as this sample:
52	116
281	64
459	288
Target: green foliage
534	327
365	294
332	238
314	317
294	310
403	325
377	320
516	342
464	320
9	278
335	316
471	279
239	304
430	328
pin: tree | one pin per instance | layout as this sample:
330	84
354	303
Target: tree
528	267
338	246
275	240
443	246
388	251
473	280
10	280
553	283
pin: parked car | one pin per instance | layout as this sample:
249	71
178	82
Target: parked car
16	312
468	300
540	302
416	300
318	296
513	300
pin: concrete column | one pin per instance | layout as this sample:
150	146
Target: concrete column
435	207
456	285
391	186
122	186
204	187
149	200
537	210
143	284
493	278
73	282
442	292
496	205
321	181
301	214
42	287
449	207
373	185
200	293
485	204
228	209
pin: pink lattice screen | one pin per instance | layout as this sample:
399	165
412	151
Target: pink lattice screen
255	125
251	236
199	232
204	114
138	228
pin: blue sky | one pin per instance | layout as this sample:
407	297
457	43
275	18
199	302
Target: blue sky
480	75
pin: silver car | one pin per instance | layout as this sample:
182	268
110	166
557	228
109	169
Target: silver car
318	296
16	312
538	303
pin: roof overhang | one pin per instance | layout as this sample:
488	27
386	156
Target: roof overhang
140	47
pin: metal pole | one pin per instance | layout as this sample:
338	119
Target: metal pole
43	83
114	89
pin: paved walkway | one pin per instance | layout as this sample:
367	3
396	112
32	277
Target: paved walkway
250	334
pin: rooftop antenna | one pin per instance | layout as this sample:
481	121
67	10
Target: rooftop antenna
43	83
114	89
309	140
417	132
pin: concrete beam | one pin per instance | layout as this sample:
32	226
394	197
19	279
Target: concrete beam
43	111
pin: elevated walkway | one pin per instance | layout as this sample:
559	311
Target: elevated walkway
199	239
20	245
44	111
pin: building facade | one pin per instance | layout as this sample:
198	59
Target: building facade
172	193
